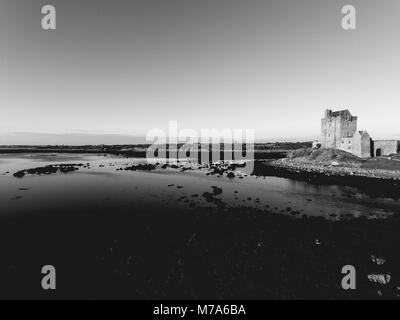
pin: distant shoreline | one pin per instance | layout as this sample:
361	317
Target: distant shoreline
261	151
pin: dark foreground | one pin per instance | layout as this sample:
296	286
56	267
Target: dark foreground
150	253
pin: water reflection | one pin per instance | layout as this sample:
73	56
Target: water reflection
100	184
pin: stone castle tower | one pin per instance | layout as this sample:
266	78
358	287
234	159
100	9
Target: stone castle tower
339	131
335	126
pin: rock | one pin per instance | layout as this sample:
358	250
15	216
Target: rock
50	169
379	278
230	175
146	167
19	174
378	260
209	196
216	190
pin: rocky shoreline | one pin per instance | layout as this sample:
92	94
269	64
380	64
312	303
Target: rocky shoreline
335	168
374	182
50	169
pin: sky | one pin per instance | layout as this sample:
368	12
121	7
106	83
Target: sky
113	70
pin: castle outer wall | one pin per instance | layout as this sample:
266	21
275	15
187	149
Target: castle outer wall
359	144
385	147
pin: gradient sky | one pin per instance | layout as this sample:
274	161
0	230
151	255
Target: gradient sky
120	68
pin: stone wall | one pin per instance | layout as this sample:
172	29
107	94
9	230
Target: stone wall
360	145
346	144
365	146
385	147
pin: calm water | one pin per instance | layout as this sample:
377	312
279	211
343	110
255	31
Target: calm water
138	234
101	185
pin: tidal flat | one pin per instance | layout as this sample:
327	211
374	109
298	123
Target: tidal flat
115	227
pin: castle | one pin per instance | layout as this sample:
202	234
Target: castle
339	131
